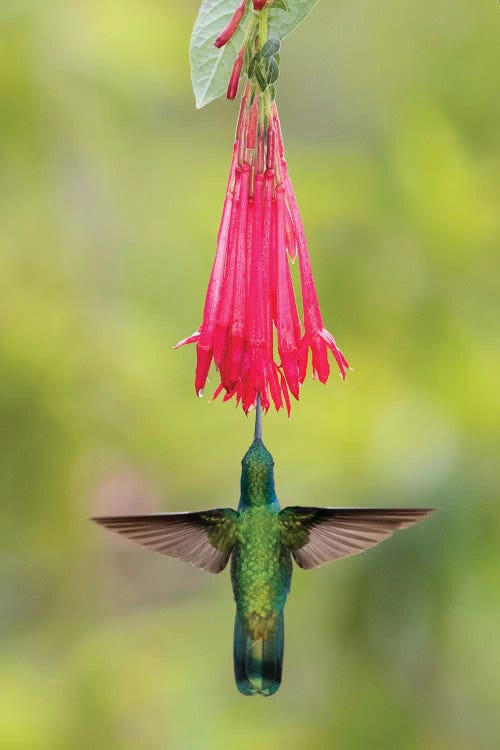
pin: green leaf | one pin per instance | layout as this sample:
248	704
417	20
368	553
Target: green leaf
253	62
260	78
271	47
281	4
282	23
273	71
211	67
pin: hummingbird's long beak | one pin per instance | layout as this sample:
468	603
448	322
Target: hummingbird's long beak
258	420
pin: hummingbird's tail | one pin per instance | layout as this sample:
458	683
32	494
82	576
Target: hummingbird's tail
258	662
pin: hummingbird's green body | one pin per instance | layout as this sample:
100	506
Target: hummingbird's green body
261	572
261	540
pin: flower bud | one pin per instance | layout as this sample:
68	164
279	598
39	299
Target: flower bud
233	24
232	88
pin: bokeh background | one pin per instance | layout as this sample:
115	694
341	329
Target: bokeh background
111	191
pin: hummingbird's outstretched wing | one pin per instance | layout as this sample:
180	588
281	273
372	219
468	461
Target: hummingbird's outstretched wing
319	535
204	539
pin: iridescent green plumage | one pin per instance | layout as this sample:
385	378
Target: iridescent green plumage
261	540
261	572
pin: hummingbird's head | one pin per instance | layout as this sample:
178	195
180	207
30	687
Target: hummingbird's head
257	476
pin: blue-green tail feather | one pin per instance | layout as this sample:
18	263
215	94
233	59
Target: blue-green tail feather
258	663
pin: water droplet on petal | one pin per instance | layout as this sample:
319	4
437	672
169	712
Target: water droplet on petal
200	393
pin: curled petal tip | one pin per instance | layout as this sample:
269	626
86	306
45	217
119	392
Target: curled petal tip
188	340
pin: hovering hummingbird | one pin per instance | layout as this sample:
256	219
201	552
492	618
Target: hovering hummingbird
261	539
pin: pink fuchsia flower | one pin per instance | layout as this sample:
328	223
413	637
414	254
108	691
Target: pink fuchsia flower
251	327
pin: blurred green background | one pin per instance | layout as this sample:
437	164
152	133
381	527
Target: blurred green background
111	191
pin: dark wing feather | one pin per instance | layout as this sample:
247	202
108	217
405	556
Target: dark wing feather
204	539
319	535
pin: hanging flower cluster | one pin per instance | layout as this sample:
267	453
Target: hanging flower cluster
251	327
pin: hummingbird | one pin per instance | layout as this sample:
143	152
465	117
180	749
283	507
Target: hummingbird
262	539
